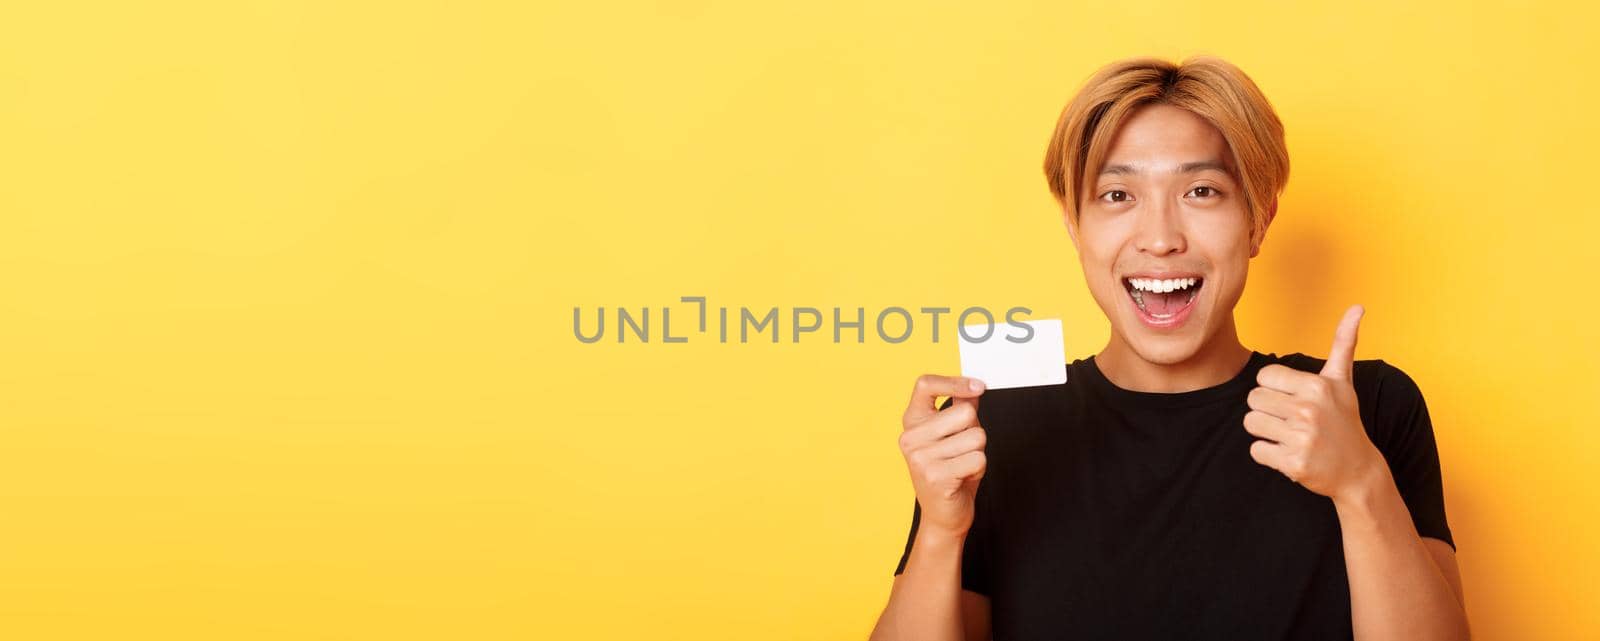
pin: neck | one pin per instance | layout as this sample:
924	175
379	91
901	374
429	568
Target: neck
1217	361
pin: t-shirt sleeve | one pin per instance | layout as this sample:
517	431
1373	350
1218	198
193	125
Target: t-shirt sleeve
974	551
1408	446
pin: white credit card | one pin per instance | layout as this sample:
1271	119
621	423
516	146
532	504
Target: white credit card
1001	362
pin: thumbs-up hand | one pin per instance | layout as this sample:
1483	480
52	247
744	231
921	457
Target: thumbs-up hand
1311	424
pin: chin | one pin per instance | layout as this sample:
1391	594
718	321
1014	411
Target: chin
1162	350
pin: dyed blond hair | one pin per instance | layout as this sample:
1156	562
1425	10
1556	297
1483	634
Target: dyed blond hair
1209	87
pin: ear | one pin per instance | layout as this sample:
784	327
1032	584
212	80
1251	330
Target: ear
1255	244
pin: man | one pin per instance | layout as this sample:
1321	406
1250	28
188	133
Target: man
1179	484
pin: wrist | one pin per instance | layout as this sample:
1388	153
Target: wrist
940	538
1370	485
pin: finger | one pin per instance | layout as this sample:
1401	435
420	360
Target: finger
1343	354
941	425
951	401
1272	402
973	401
930	387
970	465
967	440
1286	379
1266	426
1269	454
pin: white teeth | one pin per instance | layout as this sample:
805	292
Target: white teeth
1142	285
1162	285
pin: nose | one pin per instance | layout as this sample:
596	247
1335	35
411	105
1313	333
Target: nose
1159	230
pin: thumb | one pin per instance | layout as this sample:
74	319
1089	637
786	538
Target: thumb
1343	354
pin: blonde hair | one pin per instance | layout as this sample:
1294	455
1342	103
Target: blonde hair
1209	87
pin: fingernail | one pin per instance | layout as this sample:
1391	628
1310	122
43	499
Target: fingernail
975	384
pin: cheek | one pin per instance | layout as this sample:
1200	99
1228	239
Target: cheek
1227	230
1236	268
1099	243
1223	239
1099	261
1226	245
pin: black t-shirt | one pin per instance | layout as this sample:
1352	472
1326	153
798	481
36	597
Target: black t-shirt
1108	513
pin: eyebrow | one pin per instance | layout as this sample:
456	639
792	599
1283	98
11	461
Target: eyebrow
1185	168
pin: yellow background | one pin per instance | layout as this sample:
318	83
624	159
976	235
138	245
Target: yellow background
286	294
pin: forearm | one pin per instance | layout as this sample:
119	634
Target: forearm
1397	590
926	600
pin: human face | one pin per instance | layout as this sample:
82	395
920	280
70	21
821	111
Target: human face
1166	207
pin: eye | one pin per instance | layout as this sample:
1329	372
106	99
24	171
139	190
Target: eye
1117	195
1204	191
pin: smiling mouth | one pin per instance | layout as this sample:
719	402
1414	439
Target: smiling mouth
1163	299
